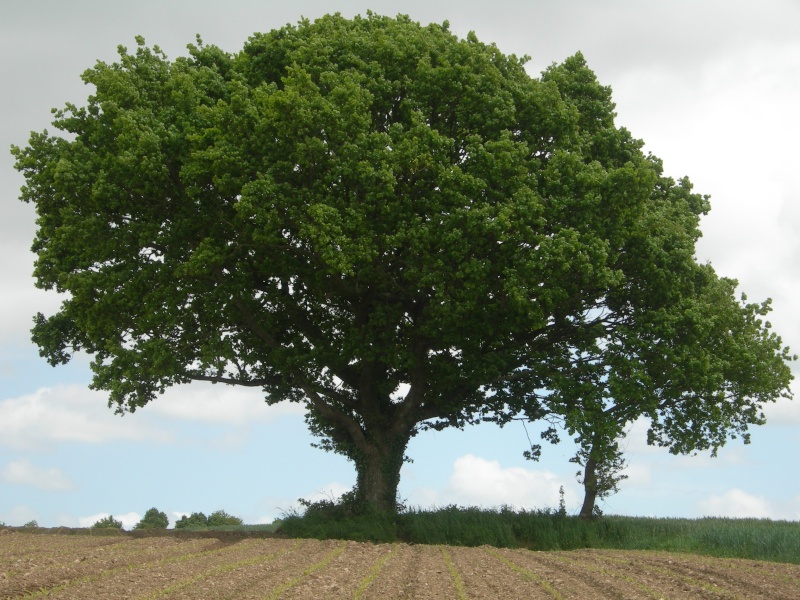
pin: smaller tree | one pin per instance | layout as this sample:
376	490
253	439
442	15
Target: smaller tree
31	524
153	519
193	521
220	518
602	465
107	522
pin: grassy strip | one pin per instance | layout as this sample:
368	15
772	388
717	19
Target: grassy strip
308	571
218	570
530	575
457	582
109	572
373	573
757	539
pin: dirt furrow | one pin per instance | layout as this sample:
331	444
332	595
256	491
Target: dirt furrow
342	577
142	572
485	576
651	582
571	579
716	578
276	579
266	565
15	546
69	568
418	572
258	576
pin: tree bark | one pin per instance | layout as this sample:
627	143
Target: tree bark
590	488
378	463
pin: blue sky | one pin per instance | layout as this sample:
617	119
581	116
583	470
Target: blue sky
712	88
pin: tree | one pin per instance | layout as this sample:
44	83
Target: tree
193	521
397	228
153	519
700	376
219	518
107	522
671	344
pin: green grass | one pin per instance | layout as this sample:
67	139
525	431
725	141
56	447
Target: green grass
757	539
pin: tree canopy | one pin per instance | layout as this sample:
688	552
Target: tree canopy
396	227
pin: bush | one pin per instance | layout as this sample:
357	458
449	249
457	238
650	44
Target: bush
107	522
193	521
153	519
31	524
220	518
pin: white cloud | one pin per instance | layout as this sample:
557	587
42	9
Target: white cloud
73	413
219	403
128	520
783	412
737	504
23	472
639	476
69	413
20	299
476	481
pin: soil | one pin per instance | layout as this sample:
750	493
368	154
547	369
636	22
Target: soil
224	566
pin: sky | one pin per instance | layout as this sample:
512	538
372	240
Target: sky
712	87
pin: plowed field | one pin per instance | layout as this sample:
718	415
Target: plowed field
72	566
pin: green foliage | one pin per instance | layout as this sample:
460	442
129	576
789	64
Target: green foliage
107	522
196	520
346	208
153	519
217	519
220	518
31	524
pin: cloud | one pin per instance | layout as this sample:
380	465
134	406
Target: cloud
783	412
23	472
736	503
639	476
217	404
69	413
73	413
128	520
476	481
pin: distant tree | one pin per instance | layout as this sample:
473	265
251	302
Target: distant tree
220	518
195	520
108	521
153	519
33	523
397	228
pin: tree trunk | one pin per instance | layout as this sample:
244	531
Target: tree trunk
378	465
590	488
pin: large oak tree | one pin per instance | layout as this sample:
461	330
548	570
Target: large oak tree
397	228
